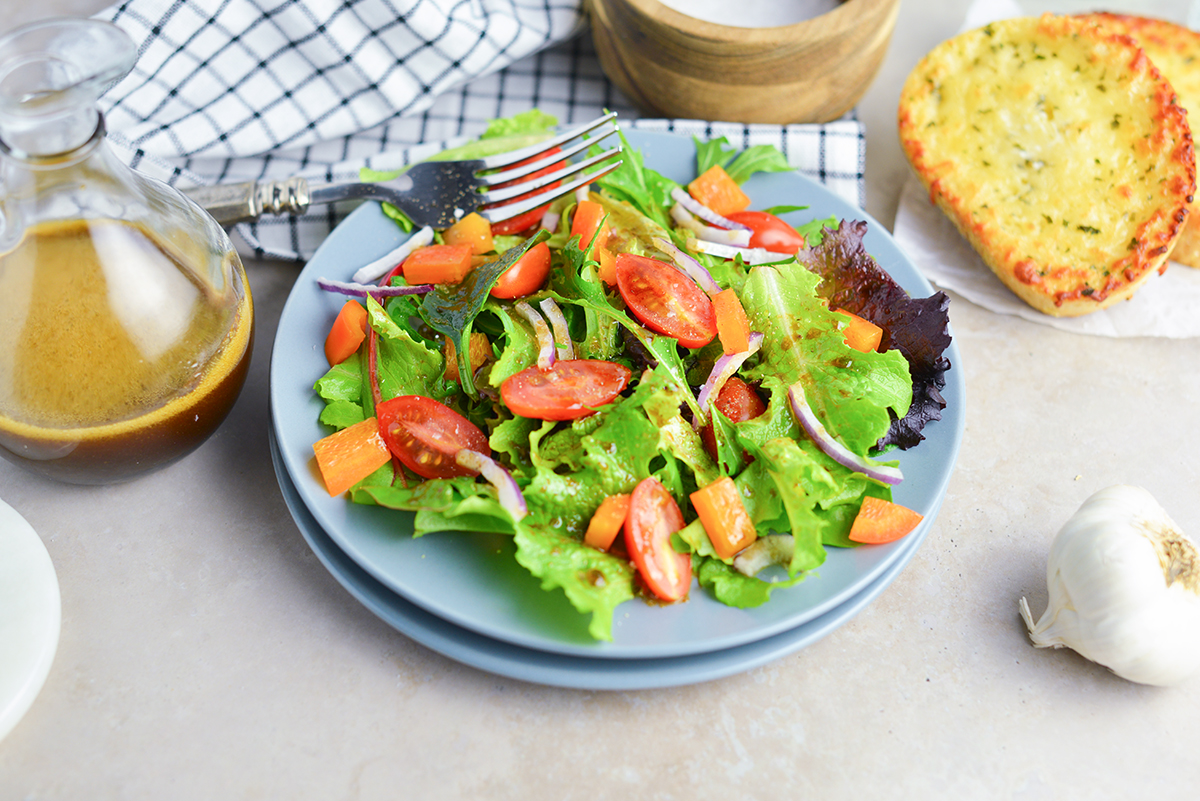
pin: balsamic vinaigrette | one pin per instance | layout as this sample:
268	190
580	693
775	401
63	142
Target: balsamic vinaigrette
123	361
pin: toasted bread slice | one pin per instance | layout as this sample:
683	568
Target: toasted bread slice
1175	50
1059	152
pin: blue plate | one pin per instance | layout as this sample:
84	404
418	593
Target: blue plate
472	580
542	667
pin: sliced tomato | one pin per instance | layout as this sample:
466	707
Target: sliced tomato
738	401
653	518
425	435
572	388
665	300
769	232
523	222
526	276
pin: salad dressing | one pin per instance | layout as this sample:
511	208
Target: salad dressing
118	358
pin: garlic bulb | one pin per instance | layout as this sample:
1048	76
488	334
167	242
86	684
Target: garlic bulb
1124	587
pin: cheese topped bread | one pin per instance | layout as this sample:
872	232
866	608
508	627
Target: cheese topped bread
1175	51
1059	152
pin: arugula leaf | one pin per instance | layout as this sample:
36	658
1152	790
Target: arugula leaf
450	309
646	190
757	158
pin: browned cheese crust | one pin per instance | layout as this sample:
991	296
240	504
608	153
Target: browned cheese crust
1175	51
1059	152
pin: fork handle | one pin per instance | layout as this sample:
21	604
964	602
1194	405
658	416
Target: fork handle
246	202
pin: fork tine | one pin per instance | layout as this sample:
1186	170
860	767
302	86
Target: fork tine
542	181
497	178
501	160
501	213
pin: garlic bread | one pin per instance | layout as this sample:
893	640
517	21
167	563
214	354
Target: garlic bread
1175	51
1059	152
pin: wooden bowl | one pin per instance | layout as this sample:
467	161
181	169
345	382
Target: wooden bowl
673	65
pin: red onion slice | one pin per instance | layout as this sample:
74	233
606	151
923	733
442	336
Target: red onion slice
738	238
694	269
836	450
749	255
549	221
725	367
545	338
704	212
362	290
558	322
378	268
506	486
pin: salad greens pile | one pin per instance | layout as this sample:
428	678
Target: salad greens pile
871	402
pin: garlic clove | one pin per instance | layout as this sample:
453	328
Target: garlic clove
1124	587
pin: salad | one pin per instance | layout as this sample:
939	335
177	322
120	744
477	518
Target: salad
636	387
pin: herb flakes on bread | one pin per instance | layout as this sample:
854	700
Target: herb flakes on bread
1060	153
1175	51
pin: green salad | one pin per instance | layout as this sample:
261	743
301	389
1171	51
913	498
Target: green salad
670	397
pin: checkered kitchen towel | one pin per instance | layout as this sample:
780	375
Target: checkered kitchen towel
235	90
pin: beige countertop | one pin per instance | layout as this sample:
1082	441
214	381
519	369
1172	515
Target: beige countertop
205	652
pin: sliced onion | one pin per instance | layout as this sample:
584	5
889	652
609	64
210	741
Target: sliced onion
836	450
749	255
545	338
704	212
709	233
725	367
362	290
549	221
694	269
562	337
583	193
506	486
773	549
378	268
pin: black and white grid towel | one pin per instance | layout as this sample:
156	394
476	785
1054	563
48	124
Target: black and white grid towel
235	90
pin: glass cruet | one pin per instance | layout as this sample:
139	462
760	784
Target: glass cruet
125	315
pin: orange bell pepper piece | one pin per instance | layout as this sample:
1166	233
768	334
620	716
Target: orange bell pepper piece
608	266
606	522
720	509
347	333
880	521
438	264
733	328
348	456
715	189
588	224
862	335
471	230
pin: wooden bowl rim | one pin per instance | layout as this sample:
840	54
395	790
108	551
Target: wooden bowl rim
847	15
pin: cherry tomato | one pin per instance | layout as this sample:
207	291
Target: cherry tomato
425	435
525	221
572	388
737	401
665	300
653	518
769	232
526	276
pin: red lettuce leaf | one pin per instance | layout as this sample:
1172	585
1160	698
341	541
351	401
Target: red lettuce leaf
917	327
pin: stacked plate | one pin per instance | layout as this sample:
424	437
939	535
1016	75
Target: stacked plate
463	594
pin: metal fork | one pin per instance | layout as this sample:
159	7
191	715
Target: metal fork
433	193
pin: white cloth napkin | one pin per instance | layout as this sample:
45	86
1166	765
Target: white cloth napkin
1165	306
235	90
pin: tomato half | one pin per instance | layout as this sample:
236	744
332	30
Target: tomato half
526	276
523	222
769	232
738	401
665	300
425	435
572	388
653	518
